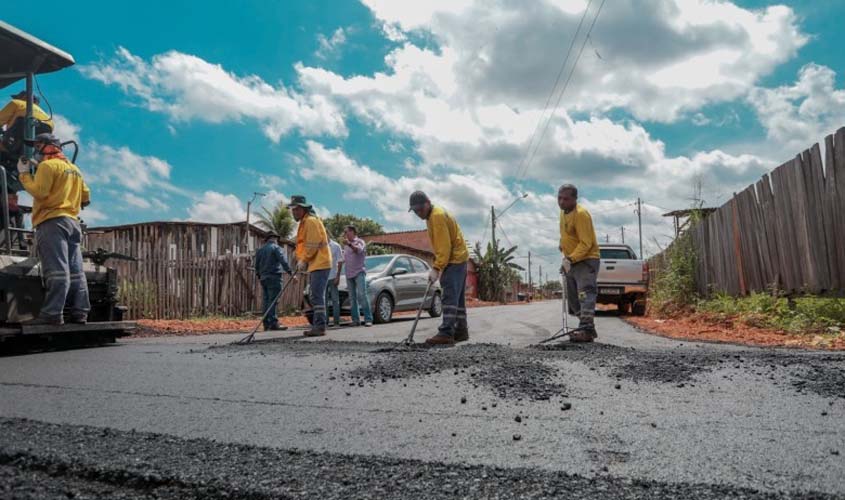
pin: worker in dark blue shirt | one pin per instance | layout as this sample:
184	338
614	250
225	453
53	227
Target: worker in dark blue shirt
270	262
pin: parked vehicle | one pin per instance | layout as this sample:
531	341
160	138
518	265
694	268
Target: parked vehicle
623	279
395	283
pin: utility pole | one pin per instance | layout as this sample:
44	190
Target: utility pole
530	288
607	238
496	252
623	234
640	222
540	277
248	206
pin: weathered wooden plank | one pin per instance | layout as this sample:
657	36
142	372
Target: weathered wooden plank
784	228
813	171
835	241
839	173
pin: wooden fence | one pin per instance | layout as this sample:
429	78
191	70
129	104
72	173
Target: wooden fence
200	286
786	232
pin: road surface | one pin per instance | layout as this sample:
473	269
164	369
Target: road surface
631	416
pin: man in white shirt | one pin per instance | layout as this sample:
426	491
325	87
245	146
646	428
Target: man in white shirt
332	294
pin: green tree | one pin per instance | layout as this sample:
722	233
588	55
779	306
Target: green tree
496	270
338	222
279	220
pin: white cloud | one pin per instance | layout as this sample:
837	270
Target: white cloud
217	207
64	129
329	47
265	181
186	87
798	115
658	58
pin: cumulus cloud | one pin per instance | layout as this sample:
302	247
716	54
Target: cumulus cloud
798	115
329	47
186	87
658	58
217	207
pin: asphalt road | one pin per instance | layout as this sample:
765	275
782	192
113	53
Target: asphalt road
634	416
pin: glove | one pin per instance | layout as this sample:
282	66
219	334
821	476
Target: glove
301	267
433	275
23	166
565	265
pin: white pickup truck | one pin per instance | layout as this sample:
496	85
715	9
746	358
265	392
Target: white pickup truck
623	279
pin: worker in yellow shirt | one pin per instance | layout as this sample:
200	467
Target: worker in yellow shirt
16	108
450	267
314	257
580	262
58	193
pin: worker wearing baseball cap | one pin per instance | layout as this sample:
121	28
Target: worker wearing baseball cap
313	256
450	267
58	193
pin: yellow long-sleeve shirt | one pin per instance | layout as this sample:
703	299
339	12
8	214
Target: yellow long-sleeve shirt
57	190
312	244
17	109
577	235
446	238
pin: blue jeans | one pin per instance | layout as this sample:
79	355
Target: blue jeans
453	281
270	287
357	287
319	280
333	297
58	242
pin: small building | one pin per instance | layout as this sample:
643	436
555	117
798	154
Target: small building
416	243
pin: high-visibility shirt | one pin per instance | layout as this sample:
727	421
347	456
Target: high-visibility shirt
577	235
57	190
446	238
17	109
312	244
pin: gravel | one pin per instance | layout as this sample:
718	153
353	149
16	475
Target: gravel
39	460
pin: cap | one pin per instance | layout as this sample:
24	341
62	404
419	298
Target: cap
418	199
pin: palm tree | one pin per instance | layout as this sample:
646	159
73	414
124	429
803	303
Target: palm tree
497	270
279	220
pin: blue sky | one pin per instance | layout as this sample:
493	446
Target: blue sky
183	111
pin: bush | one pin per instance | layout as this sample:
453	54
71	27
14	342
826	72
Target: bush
768	310
673	288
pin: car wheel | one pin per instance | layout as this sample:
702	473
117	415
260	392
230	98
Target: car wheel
384	308
638	309
436	308
624	308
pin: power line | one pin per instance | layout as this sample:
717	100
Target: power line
563	91
554	87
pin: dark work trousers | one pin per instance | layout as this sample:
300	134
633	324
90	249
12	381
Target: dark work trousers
58	242
453	281
581	290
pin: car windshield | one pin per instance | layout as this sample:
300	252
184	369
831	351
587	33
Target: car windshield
616	254
377	263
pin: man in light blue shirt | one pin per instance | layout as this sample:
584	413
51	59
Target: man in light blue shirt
332	294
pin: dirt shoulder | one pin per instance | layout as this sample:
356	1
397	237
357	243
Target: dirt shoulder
711	328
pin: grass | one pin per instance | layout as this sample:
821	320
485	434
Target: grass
807	315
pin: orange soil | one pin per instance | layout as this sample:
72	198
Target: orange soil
710	328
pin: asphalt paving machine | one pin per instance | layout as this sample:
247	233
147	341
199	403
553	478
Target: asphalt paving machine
22	57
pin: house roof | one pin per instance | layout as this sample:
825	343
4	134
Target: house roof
414	240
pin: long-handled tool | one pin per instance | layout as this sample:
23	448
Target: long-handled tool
409	340
563	332
248	338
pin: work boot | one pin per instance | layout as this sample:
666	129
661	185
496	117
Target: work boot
316	332
583	334
461	335
368	323
79	320
278	328
440	340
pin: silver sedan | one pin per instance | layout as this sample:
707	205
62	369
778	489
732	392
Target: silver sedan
395	283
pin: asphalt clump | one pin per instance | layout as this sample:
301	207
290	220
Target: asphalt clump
509	373
40	460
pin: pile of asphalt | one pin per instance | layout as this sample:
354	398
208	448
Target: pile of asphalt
39	460
509	373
